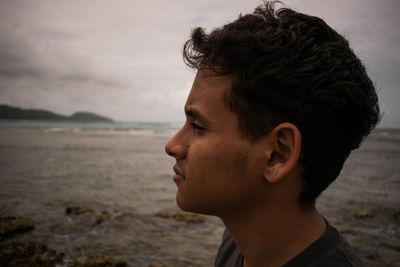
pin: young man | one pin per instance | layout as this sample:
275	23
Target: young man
278	103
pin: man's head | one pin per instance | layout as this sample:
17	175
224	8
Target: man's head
218	172
289	67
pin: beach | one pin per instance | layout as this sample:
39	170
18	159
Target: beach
124	179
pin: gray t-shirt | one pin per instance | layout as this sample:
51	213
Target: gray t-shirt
330	250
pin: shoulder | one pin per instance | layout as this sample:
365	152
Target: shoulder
330	250
228	253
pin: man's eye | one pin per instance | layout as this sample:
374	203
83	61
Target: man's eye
195	126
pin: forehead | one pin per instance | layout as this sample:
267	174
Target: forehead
209	86
207	97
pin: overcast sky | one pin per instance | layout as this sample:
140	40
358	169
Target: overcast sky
122	58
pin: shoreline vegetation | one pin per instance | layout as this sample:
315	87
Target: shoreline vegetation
15	113
16	253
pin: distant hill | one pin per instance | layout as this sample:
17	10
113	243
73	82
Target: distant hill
87	116
14	113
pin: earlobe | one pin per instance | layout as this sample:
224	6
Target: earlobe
283	152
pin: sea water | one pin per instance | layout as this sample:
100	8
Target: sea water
121	168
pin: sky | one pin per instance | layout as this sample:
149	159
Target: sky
122	58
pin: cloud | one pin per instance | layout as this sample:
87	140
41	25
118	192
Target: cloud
20	58
16	57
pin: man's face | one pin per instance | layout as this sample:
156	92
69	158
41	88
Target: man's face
217	170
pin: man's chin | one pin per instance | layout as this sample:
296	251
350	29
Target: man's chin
193	207
182	204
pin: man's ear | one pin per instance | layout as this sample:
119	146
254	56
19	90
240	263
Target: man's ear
283	152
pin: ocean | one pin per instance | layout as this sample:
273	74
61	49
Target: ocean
121	169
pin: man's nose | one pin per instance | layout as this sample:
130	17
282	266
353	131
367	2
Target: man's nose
176	146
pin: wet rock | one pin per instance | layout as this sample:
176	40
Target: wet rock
103	216
71	227
347	231
28	254
363	214
11	226
396	213
159	265
189	217
98	260
84	217
182	216
78	210
120	222
164	214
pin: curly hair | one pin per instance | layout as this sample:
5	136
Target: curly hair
291	67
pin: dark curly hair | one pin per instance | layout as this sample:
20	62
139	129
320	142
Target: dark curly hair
291	67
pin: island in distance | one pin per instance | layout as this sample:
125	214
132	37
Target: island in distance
14	113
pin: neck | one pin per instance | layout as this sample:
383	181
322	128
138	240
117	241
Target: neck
272	236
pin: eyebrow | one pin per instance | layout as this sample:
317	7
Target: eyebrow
194	113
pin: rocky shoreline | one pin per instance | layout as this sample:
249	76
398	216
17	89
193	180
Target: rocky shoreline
81	217
14	253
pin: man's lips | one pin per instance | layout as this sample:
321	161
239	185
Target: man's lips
178	175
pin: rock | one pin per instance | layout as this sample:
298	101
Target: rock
71	227
90	218
159	265
347	231
363	214
189	217
11	226
164	214
182	216
105	215
98	260
28	254
396	213
78	210
120	221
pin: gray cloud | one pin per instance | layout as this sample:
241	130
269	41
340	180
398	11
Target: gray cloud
20	57
16	57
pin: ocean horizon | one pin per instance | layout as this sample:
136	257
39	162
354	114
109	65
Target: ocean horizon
113	126
100	126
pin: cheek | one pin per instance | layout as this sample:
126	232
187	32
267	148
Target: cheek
219	177
240	161
205	160
219	162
